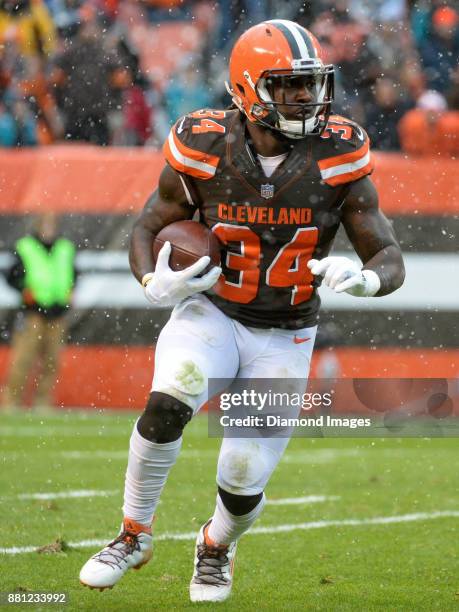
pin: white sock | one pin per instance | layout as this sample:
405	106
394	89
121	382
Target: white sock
148	467
226	527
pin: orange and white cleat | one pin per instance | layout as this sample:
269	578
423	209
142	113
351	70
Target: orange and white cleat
213	569
133	548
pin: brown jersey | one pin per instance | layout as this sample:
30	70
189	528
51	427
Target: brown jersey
269	227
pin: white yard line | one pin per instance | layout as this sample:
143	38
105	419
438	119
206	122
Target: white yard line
314	456
58	431
283	501
69	494
308	499
319	456
123	454
378	520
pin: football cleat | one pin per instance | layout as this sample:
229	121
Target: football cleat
213	569
132	548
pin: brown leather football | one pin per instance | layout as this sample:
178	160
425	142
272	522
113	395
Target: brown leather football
190	241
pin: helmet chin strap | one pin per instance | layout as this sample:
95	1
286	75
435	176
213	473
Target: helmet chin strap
297	129
293	130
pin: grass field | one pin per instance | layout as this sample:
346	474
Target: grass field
323	553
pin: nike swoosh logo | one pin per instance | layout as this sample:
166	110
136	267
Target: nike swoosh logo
180	126
300	340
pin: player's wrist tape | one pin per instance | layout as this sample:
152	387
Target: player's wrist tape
146	278
372	282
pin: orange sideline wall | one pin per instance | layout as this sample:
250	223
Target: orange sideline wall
120	377
86	179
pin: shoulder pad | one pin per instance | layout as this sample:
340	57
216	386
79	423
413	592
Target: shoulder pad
350	157
192	146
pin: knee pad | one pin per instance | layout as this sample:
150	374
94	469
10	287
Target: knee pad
244	466
164	418
239	504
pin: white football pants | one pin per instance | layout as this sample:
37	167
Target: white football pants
200	342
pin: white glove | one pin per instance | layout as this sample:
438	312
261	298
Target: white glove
343	274
166	288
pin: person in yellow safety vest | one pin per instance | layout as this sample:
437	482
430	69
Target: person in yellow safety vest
44	272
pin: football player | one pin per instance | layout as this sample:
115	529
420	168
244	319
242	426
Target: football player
273	177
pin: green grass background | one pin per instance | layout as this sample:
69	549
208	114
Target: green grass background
406	566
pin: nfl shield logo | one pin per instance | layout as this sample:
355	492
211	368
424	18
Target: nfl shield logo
267	191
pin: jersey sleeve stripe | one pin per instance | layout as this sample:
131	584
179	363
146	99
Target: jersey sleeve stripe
185	164
344	173
346	158
340	119
199	156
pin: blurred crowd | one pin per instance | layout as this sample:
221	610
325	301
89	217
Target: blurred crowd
78	70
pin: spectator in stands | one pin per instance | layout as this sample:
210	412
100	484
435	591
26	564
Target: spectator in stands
134	122
345	43
18	127
378	11
31	84
389	104
453	93
109	8
421	12
66	16
100	98
430	129
236	15
7	127
440	50
44	272
136	116
87	78
390	38
186	92
166	10
30	24
23	77
412	78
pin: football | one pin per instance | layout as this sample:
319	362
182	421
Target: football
190	241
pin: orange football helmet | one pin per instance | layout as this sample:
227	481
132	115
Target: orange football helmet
268	55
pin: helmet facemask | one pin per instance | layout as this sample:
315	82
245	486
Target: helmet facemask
305	118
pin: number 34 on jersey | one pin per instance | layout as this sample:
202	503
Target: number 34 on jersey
288	268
